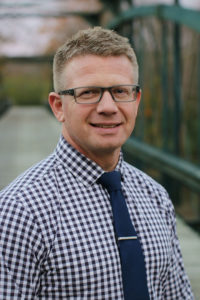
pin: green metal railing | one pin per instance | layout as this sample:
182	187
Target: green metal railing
176	170
168	164
4	106
174	13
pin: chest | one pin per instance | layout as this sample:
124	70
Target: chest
84	261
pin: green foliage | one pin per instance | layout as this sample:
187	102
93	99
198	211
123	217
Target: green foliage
26	86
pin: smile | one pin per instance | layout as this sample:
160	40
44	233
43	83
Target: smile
105	125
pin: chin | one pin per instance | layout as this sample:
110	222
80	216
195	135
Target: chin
108	148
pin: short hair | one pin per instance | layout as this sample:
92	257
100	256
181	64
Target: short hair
95	41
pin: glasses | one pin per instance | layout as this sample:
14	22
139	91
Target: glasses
93	94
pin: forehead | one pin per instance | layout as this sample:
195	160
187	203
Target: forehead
94	70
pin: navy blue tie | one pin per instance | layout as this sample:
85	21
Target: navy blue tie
132	260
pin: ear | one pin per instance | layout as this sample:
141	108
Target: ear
139	94
55	102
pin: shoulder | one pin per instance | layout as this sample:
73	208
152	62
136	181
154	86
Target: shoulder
134	173
30	178
147	186
32	197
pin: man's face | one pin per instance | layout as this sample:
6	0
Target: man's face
101	128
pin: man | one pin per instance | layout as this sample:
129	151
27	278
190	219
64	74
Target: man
58	240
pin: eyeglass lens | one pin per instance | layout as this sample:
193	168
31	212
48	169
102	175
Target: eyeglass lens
122	93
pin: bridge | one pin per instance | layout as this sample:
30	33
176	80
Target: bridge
166	140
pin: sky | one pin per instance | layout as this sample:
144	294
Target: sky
22	36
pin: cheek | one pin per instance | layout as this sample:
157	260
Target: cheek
75	116
130	114
68	111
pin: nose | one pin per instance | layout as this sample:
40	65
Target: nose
107	105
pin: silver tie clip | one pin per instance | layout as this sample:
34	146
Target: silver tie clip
127	238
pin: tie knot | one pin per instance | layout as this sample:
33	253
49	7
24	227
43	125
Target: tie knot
111	180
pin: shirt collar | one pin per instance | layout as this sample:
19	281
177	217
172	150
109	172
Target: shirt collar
79	165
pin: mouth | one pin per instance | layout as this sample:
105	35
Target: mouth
106	125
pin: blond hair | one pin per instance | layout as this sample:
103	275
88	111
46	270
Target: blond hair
95	41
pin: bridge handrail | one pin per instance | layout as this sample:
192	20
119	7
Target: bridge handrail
174	13
4	106
169	164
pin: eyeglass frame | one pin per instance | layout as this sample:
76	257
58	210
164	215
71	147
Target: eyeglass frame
71	92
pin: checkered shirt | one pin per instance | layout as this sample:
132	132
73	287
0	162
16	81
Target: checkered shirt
57	239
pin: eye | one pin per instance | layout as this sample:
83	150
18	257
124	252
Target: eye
121	91
86	93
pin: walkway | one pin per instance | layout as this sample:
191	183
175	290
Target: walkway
29	134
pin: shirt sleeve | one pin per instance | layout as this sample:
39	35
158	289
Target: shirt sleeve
177	283
21	249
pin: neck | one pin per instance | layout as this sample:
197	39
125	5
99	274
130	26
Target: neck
107	162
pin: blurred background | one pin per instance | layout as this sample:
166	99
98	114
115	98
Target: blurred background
166	38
